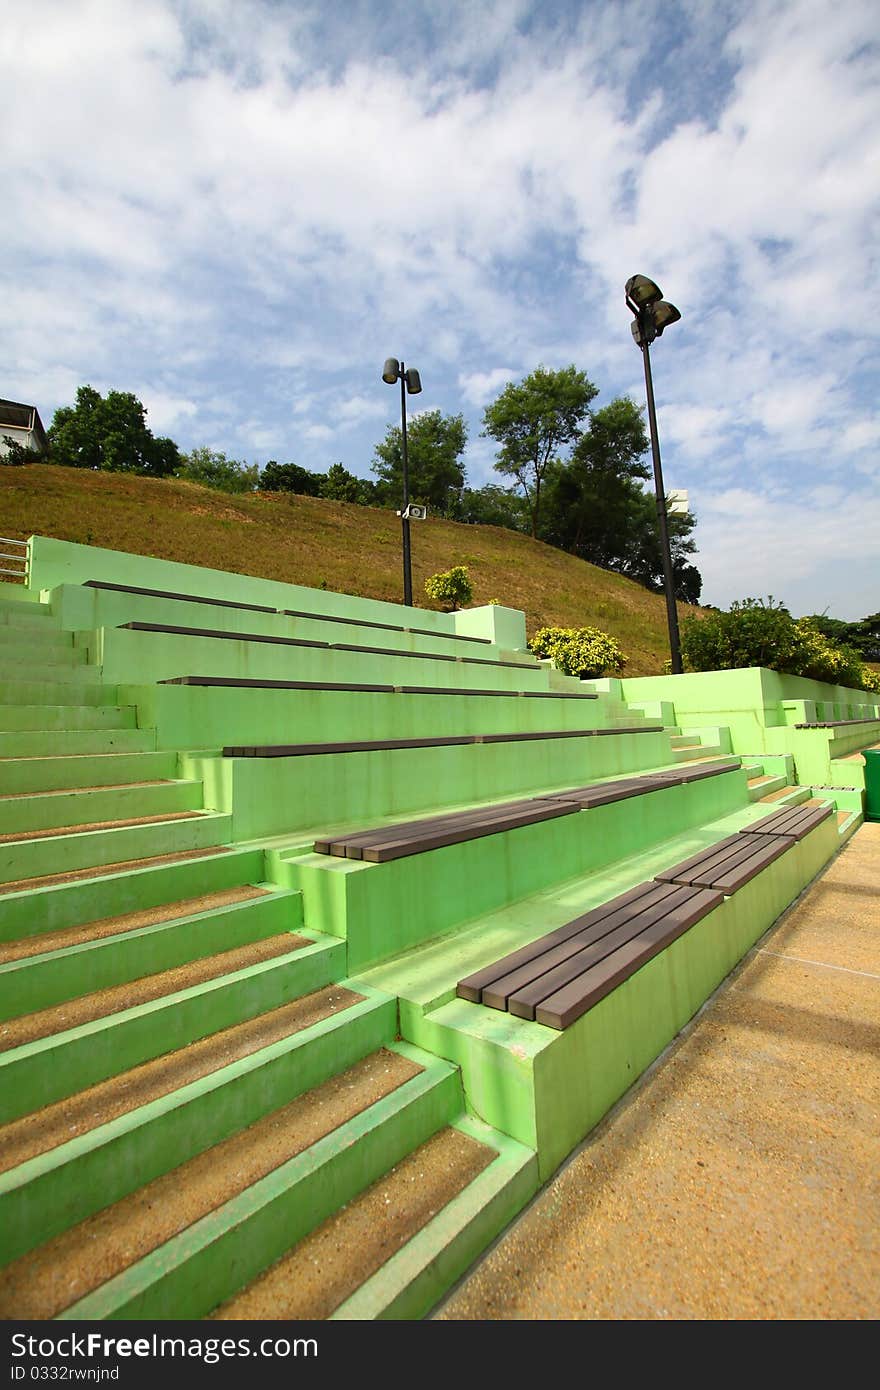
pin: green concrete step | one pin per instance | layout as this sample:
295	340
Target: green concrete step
38	1073
786	796
410	1283
690	752
41	743
35	774
20	652
192	1273
35	637
47	810
82	689
33	911
73	1177
764	785
111	844
24	615
100	957
48	672
68	716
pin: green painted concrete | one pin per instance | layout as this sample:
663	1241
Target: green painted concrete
83	689
47	810
54	562
413	1280
36	743
42	1072
269	796
37	982
189	1275
189	716
55	773
49	1193
88	849
383	909
30	912
67	717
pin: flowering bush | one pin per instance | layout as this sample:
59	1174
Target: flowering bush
579	651
451	588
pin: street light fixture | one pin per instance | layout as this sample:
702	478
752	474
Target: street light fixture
652	313
410	383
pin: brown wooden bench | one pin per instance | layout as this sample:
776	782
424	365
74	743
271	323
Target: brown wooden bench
275	640
403	838
304	750
247	683
558	978
793	822
286	612
730	863
838	723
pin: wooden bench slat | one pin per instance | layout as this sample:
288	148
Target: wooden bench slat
797	822
384	853
540	968
471	986
258	684
186	598
523	1001
676	873
736	876
351	845
568	1004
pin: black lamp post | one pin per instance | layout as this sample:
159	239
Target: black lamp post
652	315
410	381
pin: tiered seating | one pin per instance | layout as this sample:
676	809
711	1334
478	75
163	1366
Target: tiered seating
247	864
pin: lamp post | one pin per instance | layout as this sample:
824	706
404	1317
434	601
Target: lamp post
410	382
653	314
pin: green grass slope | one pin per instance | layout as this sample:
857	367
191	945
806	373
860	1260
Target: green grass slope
335	545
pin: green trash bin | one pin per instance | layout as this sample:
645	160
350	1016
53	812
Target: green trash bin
872	783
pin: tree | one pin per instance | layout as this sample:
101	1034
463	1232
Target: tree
340	485
493	506
593	500
290	477
111	433
533	422
435	443
450	588
211	468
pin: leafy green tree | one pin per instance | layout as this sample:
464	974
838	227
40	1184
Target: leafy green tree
111	433
211	468
340	485
533	422
451	588
435	444
290	477
594	501
493	506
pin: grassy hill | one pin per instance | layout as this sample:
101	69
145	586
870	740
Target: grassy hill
334	545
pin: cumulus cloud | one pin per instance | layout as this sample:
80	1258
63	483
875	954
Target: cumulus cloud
238	209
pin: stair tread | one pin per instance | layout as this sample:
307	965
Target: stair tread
99	787
76	1115
18	837
65	1269
88	1008
325	1268
102	927
99	870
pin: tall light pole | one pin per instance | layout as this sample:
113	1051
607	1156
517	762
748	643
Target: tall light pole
653	314
410	382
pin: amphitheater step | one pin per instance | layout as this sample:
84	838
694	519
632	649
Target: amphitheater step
224	1248
68	716
82	690
36	812
762	786
56	1052
65	770
20	652
37	743
24	615
787	796
29	671
50	853
37	973
689	752
87	1151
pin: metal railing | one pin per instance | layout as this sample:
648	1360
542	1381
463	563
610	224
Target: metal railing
20	559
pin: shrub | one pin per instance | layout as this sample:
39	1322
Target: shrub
579	651
755	633
870	680
451	588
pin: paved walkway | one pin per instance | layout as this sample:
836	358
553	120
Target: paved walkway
741	1177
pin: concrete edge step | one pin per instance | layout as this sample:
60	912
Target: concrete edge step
63	771
416	1278
62	808
220	1254
48	1069
40	981
63	1186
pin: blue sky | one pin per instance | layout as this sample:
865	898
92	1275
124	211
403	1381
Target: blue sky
238	208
